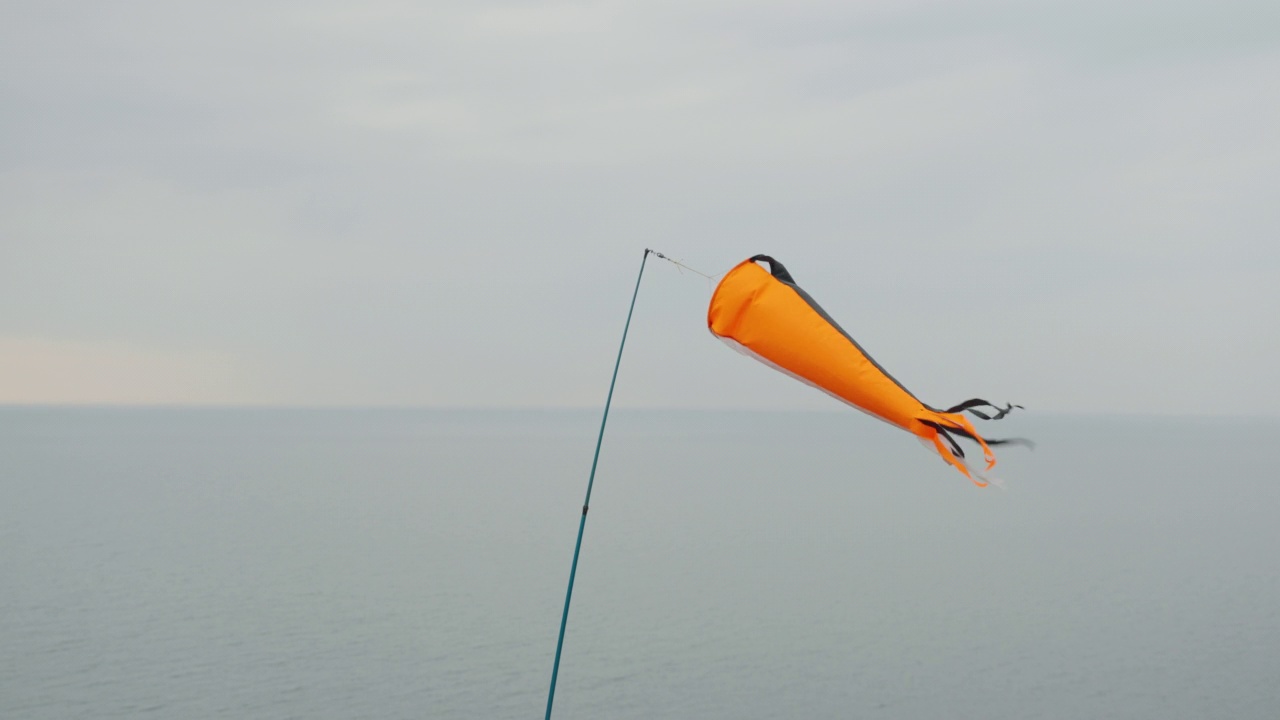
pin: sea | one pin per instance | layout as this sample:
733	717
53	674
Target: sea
196	563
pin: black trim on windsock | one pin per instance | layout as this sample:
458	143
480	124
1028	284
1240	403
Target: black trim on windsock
776	269
780	273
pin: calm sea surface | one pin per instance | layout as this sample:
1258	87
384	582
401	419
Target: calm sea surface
412	564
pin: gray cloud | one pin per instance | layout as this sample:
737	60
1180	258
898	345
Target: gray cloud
445	203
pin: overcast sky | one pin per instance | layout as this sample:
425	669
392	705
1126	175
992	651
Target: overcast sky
1072	205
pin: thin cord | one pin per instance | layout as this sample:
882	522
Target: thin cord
710	278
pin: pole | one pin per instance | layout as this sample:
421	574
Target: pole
582	523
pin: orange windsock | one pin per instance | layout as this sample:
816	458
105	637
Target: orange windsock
765	315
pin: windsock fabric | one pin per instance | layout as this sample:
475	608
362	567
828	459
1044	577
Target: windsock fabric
765	315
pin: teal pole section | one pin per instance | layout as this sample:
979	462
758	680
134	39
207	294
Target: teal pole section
582	522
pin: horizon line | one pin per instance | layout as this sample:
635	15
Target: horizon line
566	408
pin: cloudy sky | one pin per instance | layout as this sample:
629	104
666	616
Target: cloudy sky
1075	205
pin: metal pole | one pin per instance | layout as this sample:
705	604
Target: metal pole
582	523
